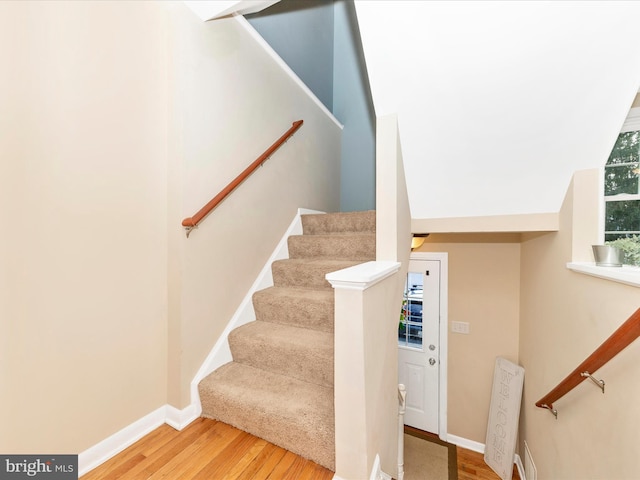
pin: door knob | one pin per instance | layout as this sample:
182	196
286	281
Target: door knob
432	361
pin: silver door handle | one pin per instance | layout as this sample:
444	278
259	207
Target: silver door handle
432	361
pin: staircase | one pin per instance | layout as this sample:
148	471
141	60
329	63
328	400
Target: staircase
279	385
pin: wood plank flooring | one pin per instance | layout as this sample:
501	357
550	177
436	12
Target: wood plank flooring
471	466
206	449
212	450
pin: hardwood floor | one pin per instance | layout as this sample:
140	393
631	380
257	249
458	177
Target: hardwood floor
212	450
206	449
471	466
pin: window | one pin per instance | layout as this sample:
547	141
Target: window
622	191
410	327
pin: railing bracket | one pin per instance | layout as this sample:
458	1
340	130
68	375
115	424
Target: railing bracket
188	229
551	409
598	383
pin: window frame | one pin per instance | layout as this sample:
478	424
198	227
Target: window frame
631	124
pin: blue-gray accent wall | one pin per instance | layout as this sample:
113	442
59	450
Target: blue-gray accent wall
301	32
353	106
320	41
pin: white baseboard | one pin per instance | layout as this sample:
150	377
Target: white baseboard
520	465
179	419
479	447
107	448
376	472
466	443
116	443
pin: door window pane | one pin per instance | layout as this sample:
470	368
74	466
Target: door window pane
410	326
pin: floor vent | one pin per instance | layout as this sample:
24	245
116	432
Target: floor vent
530	471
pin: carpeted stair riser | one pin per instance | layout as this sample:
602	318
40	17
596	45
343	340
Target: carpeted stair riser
307	273
340	247
279	385
300	307
346	222
271	347
295	415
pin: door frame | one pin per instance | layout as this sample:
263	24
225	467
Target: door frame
443	330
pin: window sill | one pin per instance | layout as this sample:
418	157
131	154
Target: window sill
625	274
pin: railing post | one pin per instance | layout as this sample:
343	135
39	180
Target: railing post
402	400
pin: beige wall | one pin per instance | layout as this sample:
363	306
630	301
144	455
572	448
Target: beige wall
484	290
564	317
118	120
232	101
523	303
83	179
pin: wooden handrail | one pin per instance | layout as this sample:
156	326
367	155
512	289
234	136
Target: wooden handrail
618	341
191	222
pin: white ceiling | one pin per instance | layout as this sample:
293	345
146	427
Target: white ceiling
500	102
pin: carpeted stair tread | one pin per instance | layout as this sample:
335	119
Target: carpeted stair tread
279	385
306	273
273	401
302	307
345	246
341	222
271	347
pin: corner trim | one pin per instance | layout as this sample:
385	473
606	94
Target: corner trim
179	419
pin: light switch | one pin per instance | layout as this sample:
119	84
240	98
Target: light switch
460	327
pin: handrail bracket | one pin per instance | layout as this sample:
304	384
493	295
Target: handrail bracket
551	409
598	383
188	229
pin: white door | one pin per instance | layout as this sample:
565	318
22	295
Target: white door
419	344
